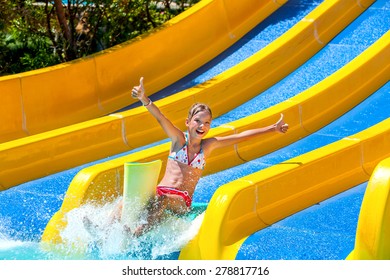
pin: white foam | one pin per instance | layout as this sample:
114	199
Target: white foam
110	241
6	244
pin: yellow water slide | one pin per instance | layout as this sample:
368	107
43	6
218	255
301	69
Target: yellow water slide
372	235
60	149
53	97
306	113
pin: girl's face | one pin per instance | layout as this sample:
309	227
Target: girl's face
199	124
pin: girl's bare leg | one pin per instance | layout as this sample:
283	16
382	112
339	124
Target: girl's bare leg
116	214
155	213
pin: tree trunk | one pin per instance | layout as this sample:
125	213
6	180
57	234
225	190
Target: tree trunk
70	51
148	15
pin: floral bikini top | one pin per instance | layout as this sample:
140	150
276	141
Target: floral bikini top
198	161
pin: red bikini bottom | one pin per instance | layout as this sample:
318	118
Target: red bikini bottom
162	190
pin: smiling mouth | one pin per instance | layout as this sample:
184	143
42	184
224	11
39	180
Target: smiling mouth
199	132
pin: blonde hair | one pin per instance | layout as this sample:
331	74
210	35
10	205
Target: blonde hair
198	107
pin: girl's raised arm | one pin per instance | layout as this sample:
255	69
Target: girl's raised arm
170	129
223	141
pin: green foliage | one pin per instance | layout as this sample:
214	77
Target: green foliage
31	34
23	50
24	44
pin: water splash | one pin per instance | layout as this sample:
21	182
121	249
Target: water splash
107	240
15	249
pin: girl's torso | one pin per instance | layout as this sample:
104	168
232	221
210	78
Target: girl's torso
181	176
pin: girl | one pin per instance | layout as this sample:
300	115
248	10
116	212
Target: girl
187	158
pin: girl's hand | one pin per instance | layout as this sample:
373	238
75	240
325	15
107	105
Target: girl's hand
281	126
139	91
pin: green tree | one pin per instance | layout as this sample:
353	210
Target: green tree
36	34
24	44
